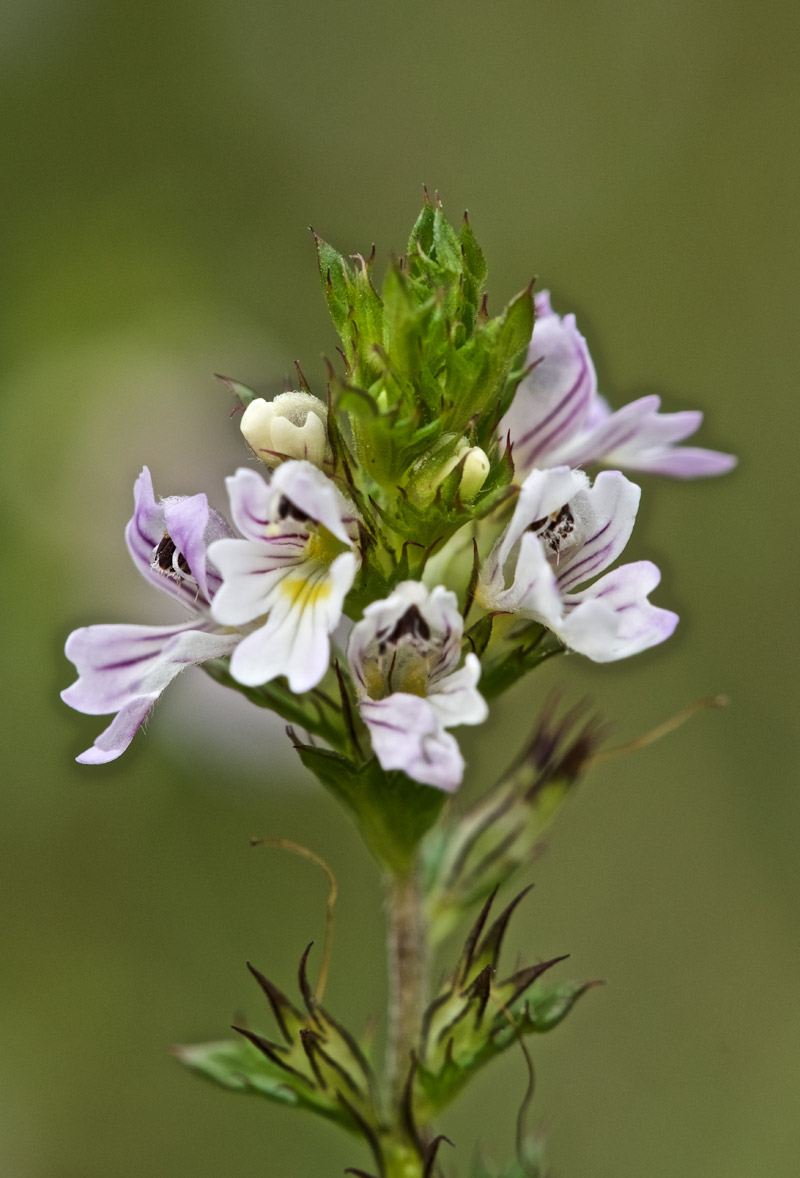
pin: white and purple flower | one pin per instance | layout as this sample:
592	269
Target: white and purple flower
563	532
558	417
293	569
123	668
403	655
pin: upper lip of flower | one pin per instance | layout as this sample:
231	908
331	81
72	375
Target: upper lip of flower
558	416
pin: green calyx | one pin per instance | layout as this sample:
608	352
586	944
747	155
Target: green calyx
477	1016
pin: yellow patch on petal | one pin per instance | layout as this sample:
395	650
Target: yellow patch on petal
302	590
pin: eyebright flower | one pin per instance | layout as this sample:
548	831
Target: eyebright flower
291	426
558	417
562	533
124	669
403	655
293	568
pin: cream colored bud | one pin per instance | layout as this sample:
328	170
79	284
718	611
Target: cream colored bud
473	475
291	426
473	472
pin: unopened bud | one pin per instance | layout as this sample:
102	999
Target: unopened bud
291	426
473	476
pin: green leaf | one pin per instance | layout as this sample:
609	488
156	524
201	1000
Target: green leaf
391	811
236	1065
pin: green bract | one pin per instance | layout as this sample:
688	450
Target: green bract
427	376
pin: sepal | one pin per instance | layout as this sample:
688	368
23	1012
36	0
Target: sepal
471	855
318	1066
475	1017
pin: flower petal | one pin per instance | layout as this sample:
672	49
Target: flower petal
613	619
406	734
251	570
124	669
305	606
607	513
314	493
456	700
195	524
551	403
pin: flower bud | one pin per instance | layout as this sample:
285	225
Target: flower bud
473	475
291	426
432	470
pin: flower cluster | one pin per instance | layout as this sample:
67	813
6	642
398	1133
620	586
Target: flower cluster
448	430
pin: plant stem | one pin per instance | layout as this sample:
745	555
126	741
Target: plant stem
408	963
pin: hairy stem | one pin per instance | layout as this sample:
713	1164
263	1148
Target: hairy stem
408	964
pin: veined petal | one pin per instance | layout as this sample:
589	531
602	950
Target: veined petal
251	570
438	610
250	498
406	734
551	403
542	493
534	589
313	492
456	700
194	523
193	526
607	513
613	619
124	669
255	504
305	606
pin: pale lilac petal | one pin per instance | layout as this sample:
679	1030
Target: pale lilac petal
406	734
439	609
193	526
456	699
113	663
682	462
551	403
639	437
113	741
251	571
612	619
305	606
147	528
607	513
250	499
542	493
313	492
534	589
124	669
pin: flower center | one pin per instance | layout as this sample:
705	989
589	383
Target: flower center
402	660
167	559
289	510
554	529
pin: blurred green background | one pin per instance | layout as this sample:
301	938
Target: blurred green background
161	162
